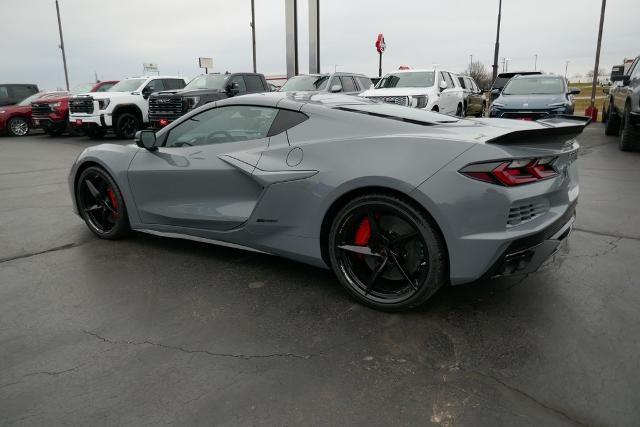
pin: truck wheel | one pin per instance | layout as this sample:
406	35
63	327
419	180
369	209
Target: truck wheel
127	125
18	126
612	127
629	135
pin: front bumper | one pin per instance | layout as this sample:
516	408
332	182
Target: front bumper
87	120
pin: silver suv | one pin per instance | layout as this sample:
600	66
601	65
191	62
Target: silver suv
347	83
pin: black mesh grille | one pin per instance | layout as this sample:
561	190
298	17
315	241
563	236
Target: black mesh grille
38	110
81	105
165	107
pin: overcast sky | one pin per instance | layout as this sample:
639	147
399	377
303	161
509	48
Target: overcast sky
113	38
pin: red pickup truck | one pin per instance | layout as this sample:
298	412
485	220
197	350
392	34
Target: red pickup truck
52	115
15	120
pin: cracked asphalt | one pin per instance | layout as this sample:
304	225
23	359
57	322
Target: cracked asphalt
149	331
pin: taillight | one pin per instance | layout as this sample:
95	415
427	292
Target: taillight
513	172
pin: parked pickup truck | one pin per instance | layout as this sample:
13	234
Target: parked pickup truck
623	114
52	114
124	108
166	106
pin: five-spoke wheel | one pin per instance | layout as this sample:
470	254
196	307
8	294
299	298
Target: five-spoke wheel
386	252
100	203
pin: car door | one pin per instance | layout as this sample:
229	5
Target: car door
448	95
238	82
185	183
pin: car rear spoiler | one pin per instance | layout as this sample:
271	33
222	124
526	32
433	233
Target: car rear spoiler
561	125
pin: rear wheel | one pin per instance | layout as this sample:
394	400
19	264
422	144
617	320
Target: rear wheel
18	126
459	111
101	205
612	128
629	134
127	124
386	253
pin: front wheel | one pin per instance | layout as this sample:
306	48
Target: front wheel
629	134
101	204
386	253
612	128
127	125
18	126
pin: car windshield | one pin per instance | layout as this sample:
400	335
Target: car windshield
305	83
85	88
207	81
127	85
30	99
534	86
414	79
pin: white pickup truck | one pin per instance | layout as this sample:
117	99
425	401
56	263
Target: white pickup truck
429	89
123	108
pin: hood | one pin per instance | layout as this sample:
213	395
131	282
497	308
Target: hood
13	108
530	101
191	92
64	98
104	95
399	91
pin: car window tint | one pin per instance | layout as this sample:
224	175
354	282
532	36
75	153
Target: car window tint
348	85
4	93
173	84
254	84
225	124
155	85
286	119
449	80
364	82
21	92
462	83
242	88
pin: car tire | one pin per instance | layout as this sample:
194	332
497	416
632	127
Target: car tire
629	134
612	128
435	109
402	275
459	111
483	111
101	205
18	126
127	124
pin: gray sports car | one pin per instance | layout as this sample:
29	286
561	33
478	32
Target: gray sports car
396	201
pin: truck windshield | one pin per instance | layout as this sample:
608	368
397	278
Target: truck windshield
534	86
312	83
414	79
85	88
207	81
127	85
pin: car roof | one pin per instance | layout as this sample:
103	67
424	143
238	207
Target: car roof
537	76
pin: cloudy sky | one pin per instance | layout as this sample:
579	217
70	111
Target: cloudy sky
113	38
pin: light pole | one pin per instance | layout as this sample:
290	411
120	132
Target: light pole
470	63
497	48
64	57
506	64
592	109
566	66
253	33
535	62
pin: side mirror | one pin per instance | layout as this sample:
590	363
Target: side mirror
146	92
495	91
146	139
443	85
336	88
574	91
233	89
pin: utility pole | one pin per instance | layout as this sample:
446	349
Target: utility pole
497	48
253	33
470	63
597	65
566	66
503	62
64	57
535	63
506	64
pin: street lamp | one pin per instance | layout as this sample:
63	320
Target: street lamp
497	48
535	62
566	66
64	57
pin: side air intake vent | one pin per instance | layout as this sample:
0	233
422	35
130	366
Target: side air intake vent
522	212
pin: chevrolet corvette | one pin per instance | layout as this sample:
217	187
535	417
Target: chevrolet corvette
396	201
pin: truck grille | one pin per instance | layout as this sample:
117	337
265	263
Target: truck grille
81	105
522	212
165	107
41	109
398	100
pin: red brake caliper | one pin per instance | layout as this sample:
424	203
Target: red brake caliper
363	234
114	201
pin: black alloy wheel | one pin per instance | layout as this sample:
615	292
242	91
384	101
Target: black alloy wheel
18	126
629	135
127	125
386	253
612	127
100	204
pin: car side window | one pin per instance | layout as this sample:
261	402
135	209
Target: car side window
173	84
242	88
4	93
232	123
335	81
254	84
462	83
635	74
348	85
365	83
449	80
155	85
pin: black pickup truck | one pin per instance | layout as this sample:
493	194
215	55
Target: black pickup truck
623	112
167	106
